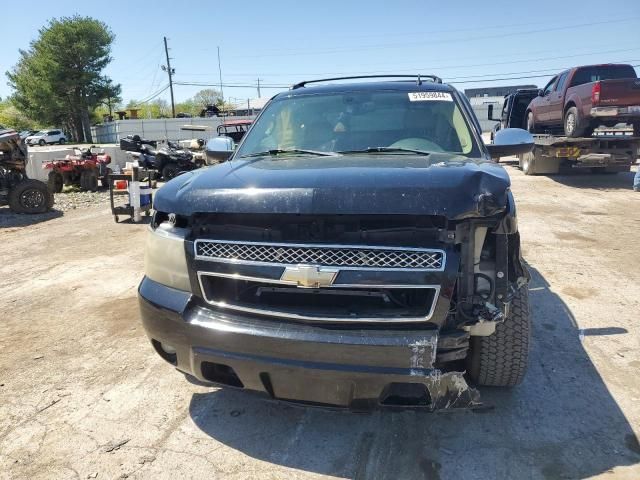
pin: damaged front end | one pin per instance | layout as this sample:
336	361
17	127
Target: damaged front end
324	303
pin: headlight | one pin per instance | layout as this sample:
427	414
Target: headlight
164	258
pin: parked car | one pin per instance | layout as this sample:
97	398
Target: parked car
27	133
582	98
357	249
47	137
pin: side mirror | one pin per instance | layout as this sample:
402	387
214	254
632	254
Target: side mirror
219	149
540	92
510	141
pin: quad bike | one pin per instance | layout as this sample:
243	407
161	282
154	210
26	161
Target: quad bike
83	168
22	194
169	160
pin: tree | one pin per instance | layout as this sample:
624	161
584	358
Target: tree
11	116
158	108
208	96
59	80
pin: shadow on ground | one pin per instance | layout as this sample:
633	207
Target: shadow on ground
9	219
599	181
562	422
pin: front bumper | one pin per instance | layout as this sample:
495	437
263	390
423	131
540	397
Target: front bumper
301	363
616	112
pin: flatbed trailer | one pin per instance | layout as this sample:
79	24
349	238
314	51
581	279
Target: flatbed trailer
610	151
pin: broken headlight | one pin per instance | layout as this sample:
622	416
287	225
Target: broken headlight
165	261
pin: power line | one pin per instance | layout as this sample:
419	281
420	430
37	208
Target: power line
152	96
229	85
433	68
308	52
511	78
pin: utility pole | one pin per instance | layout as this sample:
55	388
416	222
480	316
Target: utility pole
220	73
258	88
170	71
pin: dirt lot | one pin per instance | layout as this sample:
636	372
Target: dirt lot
83	395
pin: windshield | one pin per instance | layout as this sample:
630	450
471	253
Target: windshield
360	121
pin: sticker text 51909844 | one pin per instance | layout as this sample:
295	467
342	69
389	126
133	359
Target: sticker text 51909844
430	97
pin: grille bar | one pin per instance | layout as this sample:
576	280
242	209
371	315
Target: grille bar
344	256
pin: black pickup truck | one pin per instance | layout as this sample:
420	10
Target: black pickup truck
358	249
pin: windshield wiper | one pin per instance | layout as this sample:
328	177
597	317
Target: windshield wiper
387	150
279	151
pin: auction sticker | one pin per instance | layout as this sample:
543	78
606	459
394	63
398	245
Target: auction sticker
430	97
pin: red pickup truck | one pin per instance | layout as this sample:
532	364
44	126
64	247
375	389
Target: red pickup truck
583	98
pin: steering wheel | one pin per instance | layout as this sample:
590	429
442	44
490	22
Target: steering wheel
416	143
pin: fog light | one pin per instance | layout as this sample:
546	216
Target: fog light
165	351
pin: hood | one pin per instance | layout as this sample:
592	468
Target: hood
440	184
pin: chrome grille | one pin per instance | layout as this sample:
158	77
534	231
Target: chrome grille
334	256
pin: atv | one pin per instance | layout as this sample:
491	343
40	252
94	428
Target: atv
83	168
21	193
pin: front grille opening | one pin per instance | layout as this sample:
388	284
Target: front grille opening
222	374
321	303
342	256
405	395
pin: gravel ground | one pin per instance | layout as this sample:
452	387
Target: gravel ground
71	198
83	395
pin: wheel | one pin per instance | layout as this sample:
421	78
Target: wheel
115	217
62	141
30	196
169	171
55	182
501	359
42	143
530	124
89	180
527	163
573	126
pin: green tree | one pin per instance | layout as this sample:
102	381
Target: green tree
59	79
158	108
208	96
11	116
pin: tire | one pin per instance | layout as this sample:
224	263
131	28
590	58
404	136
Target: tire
89	180
527	163
42	143
169	171
62	141
30	196
55	182
573	126
500	360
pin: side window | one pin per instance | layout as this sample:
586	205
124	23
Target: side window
550	85
561	80
54	132
504	106
582	76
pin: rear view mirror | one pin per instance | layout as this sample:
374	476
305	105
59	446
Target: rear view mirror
219	149
510	141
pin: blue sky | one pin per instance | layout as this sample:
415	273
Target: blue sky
281	42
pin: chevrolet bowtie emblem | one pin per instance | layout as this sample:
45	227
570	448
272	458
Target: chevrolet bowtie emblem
310	276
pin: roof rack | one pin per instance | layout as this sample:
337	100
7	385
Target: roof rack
418	78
